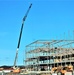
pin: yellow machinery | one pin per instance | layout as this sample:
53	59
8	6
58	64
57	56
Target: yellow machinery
63	69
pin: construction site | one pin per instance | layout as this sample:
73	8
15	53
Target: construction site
45	57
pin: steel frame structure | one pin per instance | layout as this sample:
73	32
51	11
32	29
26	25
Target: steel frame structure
45	54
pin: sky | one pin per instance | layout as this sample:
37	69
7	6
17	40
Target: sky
47	20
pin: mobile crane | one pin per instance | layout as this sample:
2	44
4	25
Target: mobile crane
16	70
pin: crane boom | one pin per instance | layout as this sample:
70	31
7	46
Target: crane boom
24	18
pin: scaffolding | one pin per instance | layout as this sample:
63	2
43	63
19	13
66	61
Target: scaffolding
43	55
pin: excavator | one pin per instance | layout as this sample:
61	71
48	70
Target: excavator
68	68
63	69
16	69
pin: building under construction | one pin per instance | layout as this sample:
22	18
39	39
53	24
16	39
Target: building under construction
50	55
